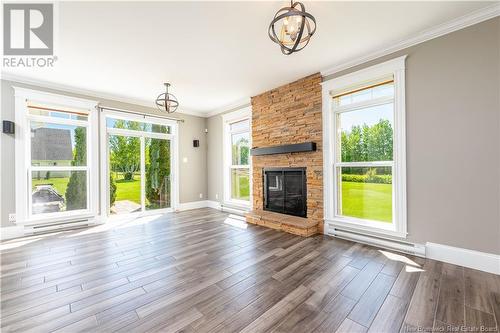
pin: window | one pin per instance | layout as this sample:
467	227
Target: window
139	161
365	170
364	161
237	158
55	162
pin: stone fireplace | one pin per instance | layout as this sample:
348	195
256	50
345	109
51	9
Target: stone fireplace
288	116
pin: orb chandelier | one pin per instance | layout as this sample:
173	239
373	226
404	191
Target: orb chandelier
166	101
292	28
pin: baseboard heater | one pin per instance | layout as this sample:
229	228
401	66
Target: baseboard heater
60	226
234	210
391	244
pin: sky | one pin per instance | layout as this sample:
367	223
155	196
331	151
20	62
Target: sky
368	116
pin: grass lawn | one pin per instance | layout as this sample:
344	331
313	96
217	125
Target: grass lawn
361	200
244	187
129	189
367	201
125	190
60	184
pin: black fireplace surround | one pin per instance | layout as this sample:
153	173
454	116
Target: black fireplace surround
285	190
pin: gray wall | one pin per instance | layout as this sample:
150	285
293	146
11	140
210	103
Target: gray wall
453	140
215	156
193	181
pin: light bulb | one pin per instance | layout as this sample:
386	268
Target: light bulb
285	21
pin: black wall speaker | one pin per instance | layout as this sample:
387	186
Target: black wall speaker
196	143
8	127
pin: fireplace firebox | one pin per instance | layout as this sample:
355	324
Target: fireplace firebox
285	190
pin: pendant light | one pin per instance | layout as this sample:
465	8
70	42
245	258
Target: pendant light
292	28
166	102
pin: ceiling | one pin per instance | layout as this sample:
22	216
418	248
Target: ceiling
217	54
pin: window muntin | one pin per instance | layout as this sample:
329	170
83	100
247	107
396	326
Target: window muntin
137	126
242	125
371	92
56	113
363	164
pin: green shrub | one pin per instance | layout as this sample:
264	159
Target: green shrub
112	190
76	192
368	178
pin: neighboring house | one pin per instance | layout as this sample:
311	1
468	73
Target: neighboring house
51	147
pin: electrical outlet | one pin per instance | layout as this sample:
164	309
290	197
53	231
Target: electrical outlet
12	217
201	195
216	196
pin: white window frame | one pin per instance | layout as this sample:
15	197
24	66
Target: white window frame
104	148
398	227
23	97
228	119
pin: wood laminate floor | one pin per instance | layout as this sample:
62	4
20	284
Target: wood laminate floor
192	272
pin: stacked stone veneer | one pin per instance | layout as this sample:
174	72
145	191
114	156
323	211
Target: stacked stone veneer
286	115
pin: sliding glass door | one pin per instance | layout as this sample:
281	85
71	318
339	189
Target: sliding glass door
157	170
140	160
125	174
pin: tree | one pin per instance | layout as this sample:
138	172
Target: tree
158	172
241	151
76	192
112	190
125	150
367	143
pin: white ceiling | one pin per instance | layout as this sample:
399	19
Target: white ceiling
216	54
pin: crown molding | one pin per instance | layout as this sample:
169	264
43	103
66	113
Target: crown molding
472	18
90	93
465	21
239	104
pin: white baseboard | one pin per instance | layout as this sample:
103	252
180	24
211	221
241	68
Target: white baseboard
482	261
193	205
213	204
11	232
209	204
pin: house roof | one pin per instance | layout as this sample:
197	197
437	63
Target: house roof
51	144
